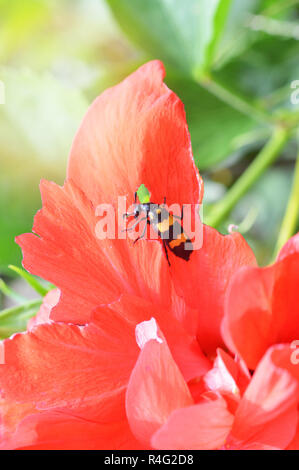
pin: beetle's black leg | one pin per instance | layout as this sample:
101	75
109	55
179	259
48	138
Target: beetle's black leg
142	235
164	201
135	197
134	225
165	249
179	217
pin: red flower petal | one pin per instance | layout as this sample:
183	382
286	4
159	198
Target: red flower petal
262	307
82	369
267	413
58	429
185	350
202	281
227	375
200	427
58	364
37	360
50	300
136	133
291	246
156	388
294	444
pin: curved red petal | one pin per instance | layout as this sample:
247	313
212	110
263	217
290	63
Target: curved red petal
203	280
262	308
50	300
57	366
291	246
133	310
228	375
58	429
200	427
294	444
136	133
267	413
155	389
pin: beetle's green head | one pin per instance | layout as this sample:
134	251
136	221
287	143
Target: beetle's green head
143	194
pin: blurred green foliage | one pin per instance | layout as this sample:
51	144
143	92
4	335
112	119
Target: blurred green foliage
230	61
183	34
37	124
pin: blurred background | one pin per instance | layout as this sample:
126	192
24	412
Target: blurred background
231	62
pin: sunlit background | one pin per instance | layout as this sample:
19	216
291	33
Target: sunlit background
56	56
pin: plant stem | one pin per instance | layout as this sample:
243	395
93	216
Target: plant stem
264	159
291	216
234	100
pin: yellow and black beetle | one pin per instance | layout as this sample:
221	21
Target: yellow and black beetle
168	226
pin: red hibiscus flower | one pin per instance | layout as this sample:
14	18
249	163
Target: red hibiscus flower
119	356
133	133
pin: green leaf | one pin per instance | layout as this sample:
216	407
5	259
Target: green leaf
184	34
212	23
264	74
10	314
31	280
238	36
13	320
